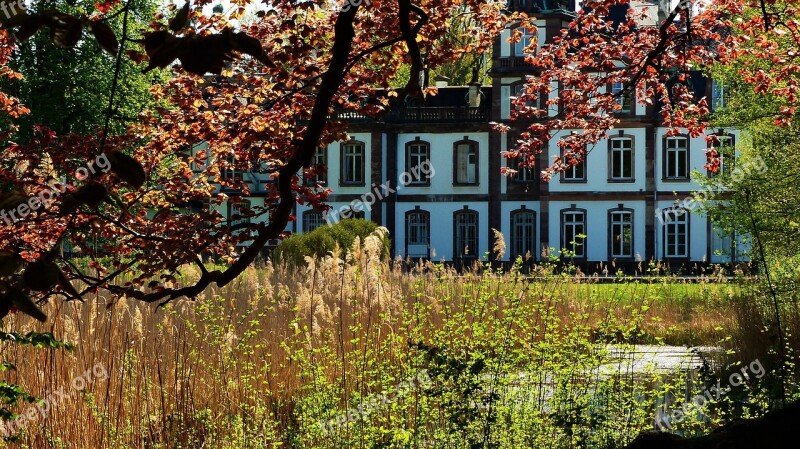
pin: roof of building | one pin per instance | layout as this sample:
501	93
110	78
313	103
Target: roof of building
541	6
455	96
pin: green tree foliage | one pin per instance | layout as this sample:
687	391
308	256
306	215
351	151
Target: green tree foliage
755	197
68	89
460	70
324	240
756	192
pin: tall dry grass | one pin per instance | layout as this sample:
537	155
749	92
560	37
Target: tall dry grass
226	369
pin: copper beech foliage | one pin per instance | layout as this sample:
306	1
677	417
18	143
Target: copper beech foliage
280	77
653	64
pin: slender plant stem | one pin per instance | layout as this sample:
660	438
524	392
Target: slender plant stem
762	256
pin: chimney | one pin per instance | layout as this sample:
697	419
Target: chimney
441	81
474	90
474	95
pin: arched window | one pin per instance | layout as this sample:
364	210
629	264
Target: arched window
676	232
523	175
623	97
576	172
465	162
353	162
528	38
418	234
526	174
230	170
465	234
523	234
573	232
320	167
620	159
721	243
418	162
239	212
676	158
312	220
620	239
518	89
719	95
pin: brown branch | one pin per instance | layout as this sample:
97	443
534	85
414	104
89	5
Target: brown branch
660	49
302	156
372	49
765	15
410	36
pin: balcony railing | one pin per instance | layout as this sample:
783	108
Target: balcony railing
438	115
512	62
420	115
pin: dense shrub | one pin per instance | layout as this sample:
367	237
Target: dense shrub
324	240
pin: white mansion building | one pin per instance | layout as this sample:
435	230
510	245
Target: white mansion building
613	198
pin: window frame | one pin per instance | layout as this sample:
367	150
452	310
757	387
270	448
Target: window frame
427	220
562	229
718	95
231	174
472	253
474	147
722	156
193	150
525	171
611	158
665	161
667	222
620	210
517	48
540	103
574	180
320	163
424	179
361	170
715	233
514	253
628	98
529	173
233	208
307	218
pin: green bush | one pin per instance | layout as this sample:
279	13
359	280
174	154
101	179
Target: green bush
325	239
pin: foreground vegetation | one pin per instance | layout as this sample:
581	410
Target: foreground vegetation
354	352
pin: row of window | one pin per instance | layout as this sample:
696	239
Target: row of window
573	233
623	95
523	233
621	160
418	162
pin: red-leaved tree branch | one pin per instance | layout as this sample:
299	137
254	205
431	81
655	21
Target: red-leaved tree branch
266	110
267	114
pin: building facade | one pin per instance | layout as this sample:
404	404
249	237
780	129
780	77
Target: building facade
431	174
